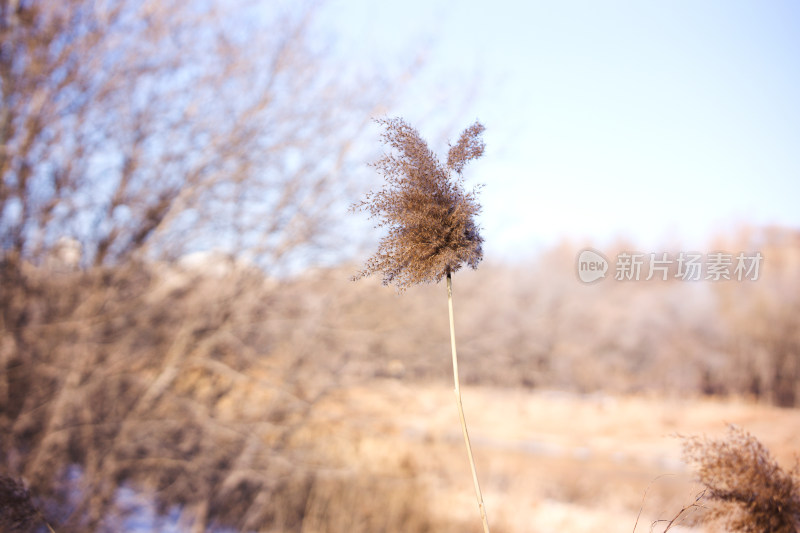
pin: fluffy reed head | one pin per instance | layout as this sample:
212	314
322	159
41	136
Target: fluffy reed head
746	489
429	216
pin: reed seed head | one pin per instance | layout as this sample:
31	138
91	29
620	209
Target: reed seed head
430	218
746	489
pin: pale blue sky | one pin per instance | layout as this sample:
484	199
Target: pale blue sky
654	121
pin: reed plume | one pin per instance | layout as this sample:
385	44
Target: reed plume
746	489
431	226
430	218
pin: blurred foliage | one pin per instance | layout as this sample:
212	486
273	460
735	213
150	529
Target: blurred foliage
196	382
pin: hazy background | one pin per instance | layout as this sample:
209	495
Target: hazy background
182	349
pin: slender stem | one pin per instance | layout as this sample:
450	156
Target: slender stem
457	391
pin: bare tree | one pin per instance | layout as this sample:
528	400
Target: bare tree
160	126
764	340
133	130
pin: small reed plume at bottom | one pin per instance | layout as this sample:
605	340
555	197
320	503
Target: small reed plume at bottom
17	509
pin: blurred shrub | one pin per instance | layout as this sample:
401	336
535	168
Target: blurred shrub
191	391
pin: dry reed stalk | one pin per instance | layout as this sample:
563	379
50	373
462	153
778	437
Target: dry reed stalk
431	226
457	390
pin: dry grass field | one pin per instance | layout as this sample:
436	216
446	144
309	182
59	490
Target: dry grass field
548	461
226	400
